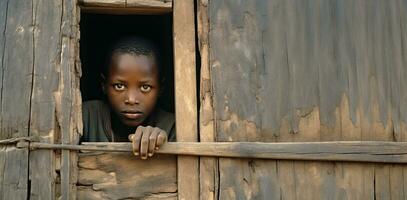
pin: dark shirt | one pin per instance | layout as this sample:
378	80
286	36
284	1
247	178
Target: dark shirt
97	122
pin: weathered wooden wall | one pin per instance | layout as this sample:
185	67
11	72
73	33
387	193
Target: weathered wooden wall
303	70
271	71
39	95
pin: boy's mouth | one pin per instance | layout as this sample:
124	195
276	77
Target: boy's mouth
132	114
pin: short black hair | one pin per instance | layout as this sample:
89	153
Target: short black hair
136	46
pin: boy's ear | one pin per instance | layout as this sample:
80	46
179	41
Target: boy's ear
102	82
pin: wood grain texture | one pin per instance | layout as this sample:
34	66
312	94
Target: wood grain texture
309	70
366	151
208	167
123	176
68	97
47	46
16	66
127	6
185	95
103	3
34	68
148	3
329	38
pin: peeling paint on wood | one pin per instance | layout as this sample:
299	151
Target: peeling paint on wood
288	57
313	70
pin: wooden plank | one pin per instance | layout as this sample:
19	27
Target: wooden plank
47	38
276	95
394	46
127	3
127	6
162	4
185	95
126	11
385	50
352	180
3	154
309	46
103	3
124	176
366	151
68	97
396	182
16	64
18	41
208	167
3	22
239	38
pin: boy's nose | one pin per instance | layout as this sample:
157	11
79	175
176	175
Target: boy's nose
132	98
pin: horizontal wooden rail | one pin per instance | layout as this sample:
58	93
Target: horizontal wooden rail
127	6
366	151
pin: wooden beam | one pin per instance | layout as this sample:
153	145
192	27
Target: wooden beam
185	95
103	3
364	151
127	6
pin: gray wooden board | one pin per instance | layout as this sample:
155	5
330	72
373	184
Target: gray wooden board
16	49
3	21
268	51
312	70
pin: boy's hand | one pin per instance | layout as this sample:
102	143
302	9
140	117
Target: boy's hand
146	140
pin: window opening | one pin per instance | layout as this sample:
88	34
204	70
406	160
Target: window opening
99	31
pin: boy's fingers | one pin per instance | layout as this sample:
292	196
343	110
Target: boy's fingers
152	141
161	138
144	142
131	137
136	140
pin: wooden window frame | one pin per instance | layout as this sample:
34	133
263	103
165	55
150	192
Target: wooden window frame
184	82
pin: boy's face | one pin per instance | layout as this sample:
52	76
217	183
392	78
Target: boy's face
132	87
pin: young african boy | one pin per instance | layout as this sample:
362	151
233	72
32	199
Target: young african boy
132	83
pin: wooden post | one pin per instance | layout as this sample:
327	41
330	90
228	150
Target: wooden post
185	95
47	19
69	98
208	167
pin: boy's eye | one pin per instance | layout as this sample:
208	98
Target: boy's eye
119	86
145	88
